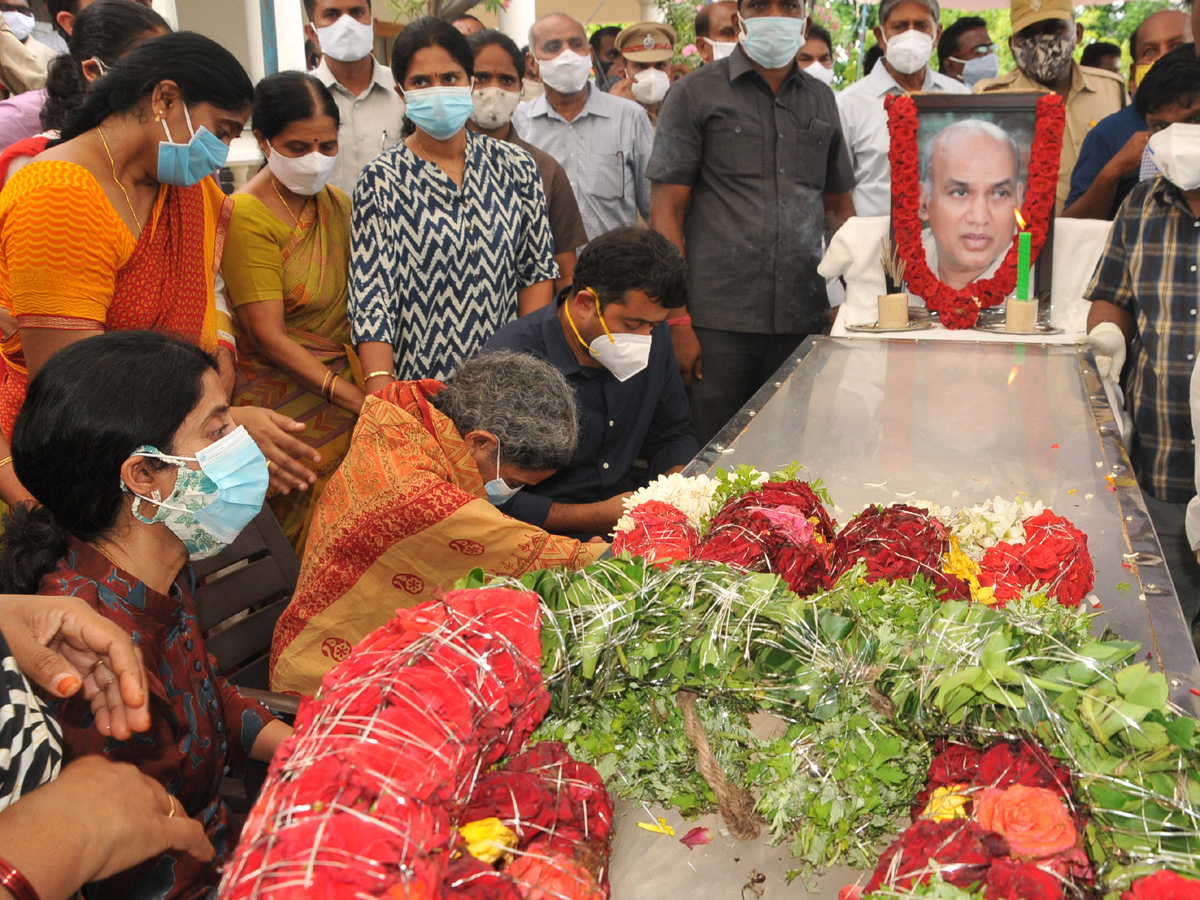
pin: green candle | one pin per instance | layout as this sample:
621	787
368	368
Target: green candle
1024	241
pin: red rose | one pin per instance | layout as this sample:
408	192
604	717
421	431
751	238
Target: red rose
959	844
1010	880
542	874
660	534
896	542
1163	885
468	877
1004	764
518	799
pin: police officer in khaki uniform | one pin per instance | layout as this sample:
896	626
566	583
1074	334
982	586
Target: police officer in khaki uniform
646	48
1043	43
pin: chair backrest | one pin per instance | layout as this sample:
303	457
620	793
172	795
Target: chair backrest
256	573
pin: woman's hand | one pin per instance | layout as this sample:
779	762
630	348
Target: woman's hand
65	646
98	818
274	435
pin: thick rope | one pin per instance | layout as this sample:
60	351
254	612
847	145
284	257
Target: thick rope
736	804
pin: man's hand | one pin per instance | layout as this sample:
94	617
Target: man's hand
273	434
65	646
1129	158
1108	346
623	88
687	352
595	518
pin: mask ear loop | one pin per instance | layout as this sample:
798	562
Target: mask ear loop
188	116
603	324
575	329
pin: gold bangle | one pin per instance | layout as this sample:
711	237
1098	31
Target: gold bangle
371	375
325	384
4	462
332	388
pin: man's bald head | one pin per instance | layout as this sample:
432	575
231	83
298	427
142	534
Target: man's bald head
558	25
947	140
969	190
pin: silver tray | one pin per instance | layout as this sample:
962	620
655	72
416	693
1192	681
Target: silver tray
877	329
1001	328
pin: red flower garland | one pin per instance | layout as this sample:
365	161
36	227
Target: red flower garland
1054	554
959	308
897	541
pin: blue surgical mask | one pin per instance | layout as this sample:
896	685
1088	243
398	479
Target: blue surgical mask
184	165
979	68
440	112
498	491
211	505
772	41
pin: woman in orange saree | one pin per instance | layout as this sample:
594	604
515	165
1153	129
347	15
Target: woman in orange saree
116	228
408	512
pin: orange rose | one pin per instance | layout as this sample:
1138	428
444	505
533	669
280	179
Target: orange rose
1033	820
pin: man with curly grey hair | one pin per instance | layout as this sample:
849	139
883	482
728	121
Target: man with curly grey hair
412	508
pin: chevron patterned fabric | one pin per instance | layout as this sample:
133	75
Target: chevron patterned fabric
435	269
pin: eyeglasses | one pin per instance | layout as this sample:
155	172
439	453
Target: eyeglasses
974	52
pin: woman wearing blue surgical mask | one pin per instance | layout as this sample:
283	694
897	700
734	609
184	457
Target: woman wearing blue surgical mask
119	226
285	267
450	237
127	445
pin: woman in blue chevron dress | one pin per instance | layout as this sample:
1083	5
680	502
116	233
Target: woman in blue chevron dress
449	235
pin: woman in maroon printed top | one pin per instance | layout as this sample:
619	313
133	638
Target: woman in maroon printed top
127	443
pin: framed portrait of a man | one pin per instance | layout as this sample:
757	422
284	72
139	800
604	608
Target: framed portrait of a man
974	152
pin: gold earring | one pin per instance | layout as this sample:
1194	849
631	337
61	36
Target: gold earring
158	115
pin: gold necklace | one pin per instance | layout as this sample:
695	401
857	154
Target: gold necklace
112	165
106	555
275	187
420	151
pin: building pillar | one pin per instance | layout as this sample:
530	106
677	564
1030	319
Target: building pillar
166	9
289	35
516	20
254	38
651	11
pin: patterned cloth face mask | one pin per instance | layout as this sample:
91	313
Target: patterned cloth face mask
1043	57
211	505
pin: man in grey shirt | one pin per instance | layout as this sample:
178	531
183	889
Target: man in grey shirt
749	171
603	142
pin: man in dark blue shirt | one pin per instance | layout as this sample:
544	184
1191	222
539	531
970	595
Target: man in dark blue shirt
1107	168
608	336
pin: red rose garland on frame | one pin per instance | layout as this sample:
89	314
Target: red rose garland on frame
959	308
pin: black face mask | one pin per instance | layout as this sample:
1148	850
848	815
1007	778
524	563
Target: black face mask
604	66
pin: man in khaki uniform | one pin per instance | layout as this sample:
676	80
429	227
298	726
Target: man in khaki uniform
646	49
1043	43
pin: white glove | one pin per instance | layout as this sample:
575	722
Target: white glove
1108	346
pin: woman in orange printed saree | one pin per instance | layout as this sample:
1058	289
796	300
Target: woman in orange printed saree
408	514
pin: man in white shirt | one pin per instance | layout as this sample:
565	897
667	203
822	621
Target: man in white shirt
372	113
908	30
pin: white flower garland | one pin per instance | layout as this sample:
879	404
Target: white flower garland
691	496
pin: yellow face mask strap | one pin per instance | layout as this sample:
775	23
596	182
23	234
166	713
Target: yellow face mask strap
603	324
575	329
